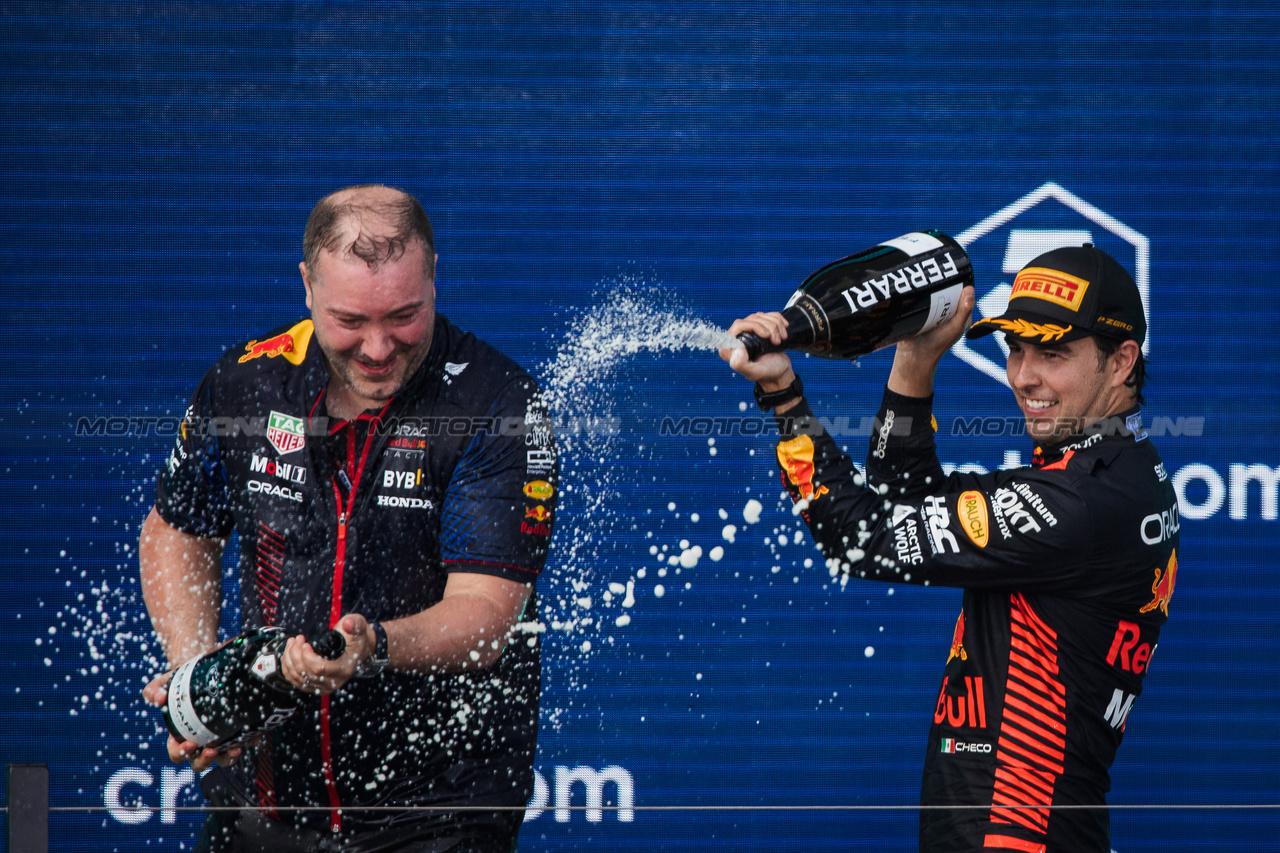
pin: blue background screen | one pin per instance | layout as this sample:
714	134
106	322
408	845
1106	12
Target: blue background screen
627	167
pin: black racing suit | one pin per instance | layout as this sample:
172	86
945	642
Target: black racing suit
1067	569
457	473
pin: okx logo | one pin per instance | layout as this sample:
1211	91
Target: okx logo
1048	218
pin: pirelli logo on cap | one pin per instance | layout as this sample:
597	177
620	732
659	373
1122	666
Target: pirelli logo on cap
1051	286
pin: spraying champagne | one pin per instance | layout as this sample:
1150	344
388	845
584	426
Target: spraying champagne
238	689
875	298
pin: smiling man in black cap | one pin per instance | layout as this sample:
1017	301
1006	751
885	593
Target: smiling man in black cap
1067	566
1065	306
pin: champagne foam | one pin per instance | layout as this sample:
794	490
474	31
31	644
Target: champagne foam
104	651
583	602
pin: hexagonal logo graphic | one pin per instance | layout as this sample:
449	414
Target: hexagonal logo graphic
1044	219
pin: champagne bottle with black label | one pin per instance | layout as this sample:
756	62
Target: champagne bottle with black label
238	689
859	304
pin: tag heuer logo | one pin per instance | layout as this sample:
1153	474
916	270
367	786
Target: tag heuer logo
286	433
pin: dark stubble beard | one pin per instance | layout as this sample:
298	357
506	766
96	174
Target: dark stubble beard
358	384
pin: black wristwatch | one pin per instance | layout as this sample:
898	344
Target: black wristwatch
767	400
376	662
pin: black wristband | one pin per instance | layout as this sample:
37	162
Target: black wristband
767	400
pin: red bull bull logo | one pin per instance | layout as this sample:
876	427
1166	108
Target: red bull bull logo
796	458
1162	589
537	513
271	347
291	344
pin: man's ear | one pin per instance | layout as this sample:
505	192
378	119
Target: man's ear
1123	360
306	282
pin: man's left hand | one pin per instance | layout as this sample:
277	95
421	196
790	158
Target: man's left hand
772	370
311	673
916	359
157	693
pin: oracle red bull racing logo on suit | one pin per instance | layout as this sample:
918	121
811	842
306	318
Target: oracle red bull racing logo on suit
1127	649
406	448
1160	526
271	347
538	528
275	490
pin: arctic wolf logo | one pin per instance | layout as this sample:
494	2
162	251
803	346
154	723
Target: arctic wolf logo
1046	219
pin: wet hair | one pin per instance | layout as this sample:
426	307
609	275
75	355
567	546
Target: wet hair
407	220
1108	347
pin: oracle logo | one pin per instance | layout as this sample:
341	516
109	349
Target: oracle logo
1159	526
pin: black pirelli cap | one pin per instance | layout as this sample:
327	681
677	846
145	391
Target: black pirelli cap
1067	294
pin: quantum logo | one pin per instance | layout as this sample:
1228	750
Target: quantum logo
1047	218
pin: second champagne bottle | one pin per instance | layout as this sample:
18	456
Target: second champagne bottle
238	689
872	299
